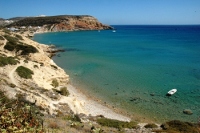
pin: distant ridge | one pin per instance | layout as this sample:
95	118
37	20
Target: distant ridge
60	23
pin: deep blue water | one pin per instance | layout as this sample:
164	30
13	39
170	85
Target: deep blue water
134	67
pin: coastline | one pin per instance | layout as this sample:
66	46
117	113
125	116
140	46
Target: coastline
40	90
81	103
45	70
84	103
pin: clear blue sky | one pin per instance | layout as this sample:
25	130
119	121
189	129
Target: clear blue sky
109	11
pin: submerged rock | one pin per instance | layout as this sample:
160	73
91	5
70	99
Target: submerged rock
188	112
152	94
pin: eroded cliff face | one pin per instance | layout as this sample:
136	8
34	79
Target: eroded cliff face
82	23
62	23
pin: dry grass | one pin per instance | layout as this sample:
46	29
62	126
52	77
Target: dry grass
53	125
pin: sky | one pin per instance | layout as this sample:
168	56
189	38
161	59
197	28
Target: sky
112	12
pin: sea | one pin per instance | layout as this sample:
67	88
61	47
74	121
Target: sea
133	67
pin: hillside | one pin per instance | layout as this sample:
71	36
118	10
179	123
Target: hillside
60	23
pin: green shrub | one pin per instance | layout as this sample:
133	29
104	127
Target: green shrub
11	39
7	60
55	83
151	125
74	118
19	37
14	44
9	46
24	72
26	49
64	91
116	123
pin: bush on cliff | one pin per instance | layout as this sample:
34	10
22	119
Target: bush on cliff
11	39
14	44
63	91
7	60
19	37
151	125
24	48
24	72
55	83
9	46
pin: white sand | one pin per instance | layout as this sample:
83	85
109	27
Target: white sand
79	103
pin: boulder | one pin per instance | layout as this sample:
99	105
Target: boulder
187	111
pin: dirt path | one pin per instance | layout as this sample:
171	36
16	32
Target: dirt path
11	75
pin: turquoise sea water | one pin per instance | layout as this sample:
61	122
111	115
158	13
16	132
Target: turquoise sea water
134	67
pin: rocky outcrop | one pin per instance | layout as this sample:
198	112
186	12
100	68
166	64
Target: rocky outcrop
61	23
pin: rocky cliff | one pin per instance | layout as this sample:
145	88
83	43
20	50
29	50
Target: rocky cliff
61	23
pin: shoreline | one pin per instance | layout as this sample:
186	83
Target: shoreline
90	106
39	88
107	105
82	104
105	109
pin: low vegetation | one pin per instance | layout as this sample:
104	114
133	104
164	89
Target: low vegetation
11	39
24	72
55	83
19	37
16	116
116	123
74	118
63	91
53	125
40	21
5	30
14	44
7	61
177	126
24	48
151	125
